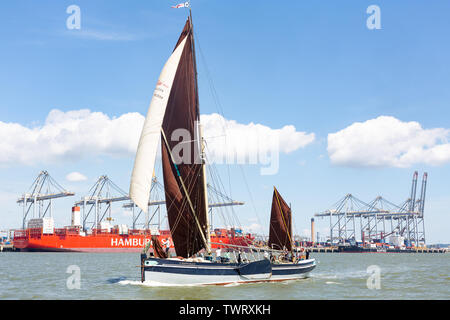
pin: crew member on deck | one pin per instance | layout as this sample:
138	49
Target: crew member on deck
167	247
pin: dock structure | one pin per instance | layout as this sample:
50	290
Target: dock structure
323	249
375	221
6	244
157	199
38	201
7	248
103	193
410	250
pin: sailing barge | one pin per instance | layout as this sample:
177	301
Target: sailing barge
175	108
280	238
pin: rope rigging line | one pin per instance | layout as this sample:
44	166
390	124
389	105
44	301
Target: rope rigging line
219	108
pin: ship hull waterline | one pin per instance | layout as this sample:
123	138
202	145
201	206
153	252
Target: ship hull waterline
176	272
292	271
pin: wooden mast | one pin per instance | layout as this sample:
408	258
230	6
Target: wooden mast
201	141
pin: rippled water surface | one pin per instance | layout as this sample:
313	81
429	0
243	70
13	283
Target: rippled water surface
117	276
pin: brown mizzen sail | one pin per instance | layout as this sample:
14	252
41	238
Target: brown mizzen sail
280	234
181	161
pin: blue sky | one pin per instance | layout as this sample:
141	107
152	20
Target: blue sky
313	65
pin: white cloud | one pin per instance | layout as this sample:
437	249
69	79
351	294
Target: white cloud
70	135
76	177
74	135
388	142
249	143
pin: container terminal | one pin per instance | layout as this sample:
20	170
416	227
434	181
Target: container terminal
380	225
376	226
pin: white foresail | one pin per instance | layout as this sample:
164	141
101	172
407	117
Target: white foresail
141	178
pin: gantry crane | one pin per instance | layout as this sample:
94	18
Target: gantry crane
38	199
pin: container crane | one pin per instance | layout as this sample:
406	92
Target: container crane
40	194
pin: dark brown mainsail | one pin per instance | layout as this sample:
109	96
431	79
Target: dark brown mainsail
183	167
280	234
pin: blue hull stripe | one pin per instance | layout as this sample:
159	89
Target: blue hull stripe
291	271
193	270
217	269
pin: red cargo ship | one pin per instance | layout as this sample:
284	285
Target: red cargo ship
115	239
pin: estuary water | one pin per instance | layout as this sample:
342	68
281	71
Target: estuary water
106	276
